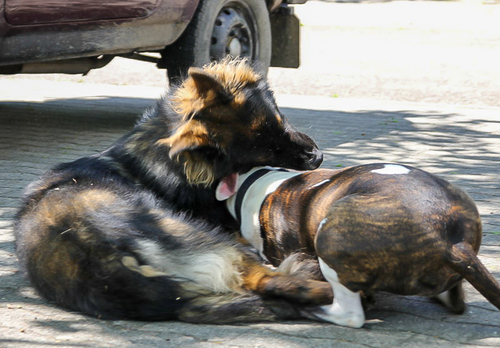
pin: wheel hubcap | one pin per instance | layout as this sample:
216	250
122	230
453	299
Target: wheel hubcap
234	47
231	36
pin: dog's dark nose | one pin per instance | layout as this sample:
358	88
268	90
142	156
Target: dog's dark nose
316	158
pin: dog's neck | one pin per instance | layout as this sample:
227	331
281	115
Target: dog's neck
251	190
155	170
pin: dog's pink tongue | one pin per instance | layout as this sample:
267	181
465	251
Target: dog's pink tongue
227	187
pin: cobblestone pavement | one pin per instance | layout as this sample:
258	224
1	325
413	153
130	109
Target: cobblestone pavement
61	121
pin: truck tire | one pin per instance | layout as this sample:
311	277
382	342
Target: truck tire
220	28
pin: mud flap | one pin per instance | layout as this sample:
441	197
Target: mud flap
285	31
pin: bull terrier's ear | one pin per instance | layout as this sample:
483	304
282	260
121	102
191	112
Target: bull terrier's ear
207	86
227	187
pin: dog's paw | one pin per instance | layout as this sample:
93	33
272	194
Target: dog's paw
354	319
453	299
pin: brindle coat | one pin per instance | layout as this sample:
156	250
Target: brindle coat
376	227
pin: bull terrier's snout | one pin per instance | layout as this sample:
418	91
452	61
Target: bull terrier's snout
316	158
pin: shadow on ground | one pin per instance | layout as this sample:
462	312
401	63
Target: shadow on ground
462	148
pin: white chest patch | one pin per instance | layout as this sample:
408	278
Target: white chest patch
392	169
252	202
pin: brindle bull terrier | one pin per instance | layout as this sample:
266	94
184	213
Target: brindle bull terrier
375	227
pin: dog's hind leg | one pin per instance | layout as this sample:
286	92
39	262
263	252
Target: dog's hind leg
453	299
346	309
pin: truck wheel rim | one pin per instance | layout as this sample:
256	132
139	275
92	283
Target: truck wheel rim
232	34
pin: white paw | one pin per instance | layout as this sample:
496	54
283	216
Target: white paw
333	315
346	309
444	298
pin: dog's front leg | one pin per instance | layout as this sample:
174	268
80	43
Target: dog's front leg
346	309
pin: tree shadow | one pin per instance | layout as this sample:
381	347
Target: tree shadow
462	149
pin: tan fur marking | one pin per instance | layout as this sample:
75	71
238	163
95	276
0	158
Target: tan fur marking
279	119
257	122
188	136
51	210
197	171
254	276
53	259
95	198
233	74
174	227
147	271
239	100
265	281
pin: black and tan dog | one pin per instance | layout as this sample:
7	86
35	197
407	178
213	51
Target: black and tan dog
134	232
376	227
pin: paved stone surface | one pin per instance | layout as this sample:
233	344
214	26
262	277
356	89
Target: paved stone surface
43	123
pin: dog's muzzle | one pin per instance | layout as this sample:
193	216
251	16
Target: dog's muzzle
316	159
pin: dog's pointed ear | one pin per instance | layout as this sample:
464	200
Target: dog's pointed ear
190	136
206	85
193	148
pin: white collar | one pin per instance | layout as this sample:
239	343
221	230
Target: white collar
265	181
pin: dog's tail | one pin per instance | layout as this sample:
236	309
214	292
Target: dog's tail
463	260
